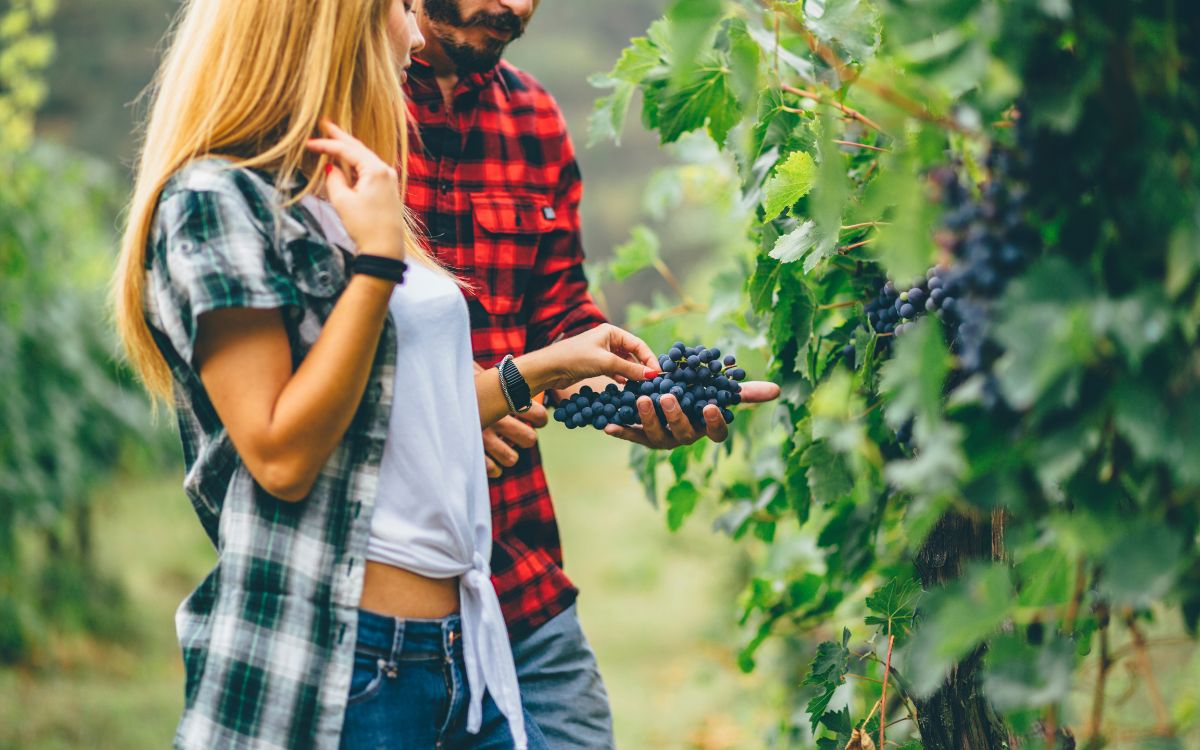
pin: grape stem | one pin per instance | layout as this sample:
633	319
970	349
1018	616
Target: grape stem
848	227
1096	721
853	113
861	145
670	278
839	305
847	248
887	668
1162	723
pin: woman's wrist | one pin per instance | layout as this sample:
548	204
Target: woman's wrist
539	370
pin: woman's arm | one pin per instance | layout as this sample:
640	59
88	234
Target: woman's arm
603	350
284	424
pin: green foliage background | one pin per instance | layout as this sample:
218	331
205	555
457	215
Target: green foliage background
823	118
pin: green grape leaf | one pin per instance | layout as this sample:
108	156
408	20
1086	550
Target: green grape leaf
640	252
792	180
795	244
681	501
828	671
849	25
1141	566
1020	676
639	61
955	620
692	24
704	97
829	478
894	604
912	381
607	120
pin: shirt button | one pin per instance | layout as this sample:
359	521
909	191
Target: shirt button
324	277
446	186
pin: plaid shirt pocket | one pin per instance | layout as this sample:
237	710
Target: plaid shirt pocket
509	227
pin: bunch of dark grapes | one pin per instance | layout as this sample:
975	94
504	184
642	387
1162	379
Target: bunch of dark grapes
989	242
697	376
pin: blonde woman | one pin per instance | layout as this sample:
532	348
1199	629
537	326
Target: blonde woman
320	367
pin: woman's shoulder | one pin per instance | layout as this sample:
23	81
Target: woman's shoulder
215	190
215	174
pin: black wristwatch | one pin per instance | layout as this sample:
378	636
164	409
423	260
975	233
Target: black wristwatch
513	385
379	266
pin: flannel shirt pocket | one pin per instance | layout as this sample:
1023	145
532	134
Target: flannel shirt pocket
509	228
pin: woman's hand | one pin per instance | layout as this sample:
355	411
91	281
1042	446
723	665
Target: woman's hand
365	191
604	350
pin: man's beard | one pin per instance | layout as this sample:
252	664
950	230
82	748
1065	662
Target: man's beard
467	58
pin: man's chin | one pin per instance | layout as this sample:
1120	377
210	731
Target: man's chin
469	58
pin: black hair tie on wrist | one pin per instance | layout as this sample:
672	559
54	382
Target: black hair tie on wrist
379	266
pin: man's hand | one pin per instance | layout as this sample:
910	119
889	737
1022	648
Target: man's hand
519	431
499	439
679	429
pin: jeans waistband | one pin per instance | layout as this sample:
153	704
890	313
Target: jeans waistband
400	638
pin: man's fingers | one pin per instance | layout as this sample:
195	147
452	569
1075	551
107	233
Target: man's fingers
496	447
537	416
759	391
650	425
715	425
633	435
493	469
516	431
677	421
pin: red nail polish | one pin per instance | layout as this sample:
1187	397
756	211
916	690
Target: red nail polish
329	168
650	374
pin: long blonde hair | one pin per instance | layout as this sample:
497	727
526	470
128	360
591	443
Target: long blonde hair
250	80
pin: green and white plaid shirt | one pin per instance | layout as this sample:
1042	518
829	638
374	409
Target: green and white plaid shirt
268	636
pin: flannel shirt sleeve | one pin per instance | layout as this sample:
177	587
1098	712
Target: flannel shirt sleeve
561	304
213	250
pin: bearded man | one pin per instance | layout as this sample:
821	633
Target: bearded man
494	181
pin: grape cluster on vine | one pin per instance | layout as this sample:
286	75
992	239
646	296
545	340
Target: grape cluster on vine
988	242
695	376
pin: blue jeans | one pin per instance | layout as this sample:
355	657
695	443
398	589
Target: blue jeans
561	686
409	690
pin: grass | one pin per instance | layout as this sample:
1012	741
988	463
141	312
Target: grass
655	605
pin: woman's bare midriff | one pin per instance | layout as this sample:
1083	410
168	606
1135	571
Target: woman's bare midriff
392	591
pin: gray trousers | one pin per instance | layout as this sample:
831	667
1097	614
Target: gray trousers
561	686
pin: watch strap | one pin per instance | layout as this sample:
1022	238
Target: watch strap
513	385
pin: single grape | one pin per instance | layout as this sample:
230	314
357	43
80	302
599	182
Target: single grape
737	374
727	415
600	422
676	353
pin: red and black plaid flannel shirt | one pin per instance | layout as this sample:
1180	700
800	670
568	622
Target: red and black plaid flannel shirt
495	183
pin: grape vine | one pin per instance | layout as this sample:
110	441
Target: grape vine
973	265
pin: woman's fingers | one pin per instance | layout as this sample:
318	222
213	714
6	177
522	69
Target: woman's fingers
625	342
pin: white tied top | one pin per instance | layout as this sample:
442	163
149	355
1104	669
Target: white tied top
433	513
